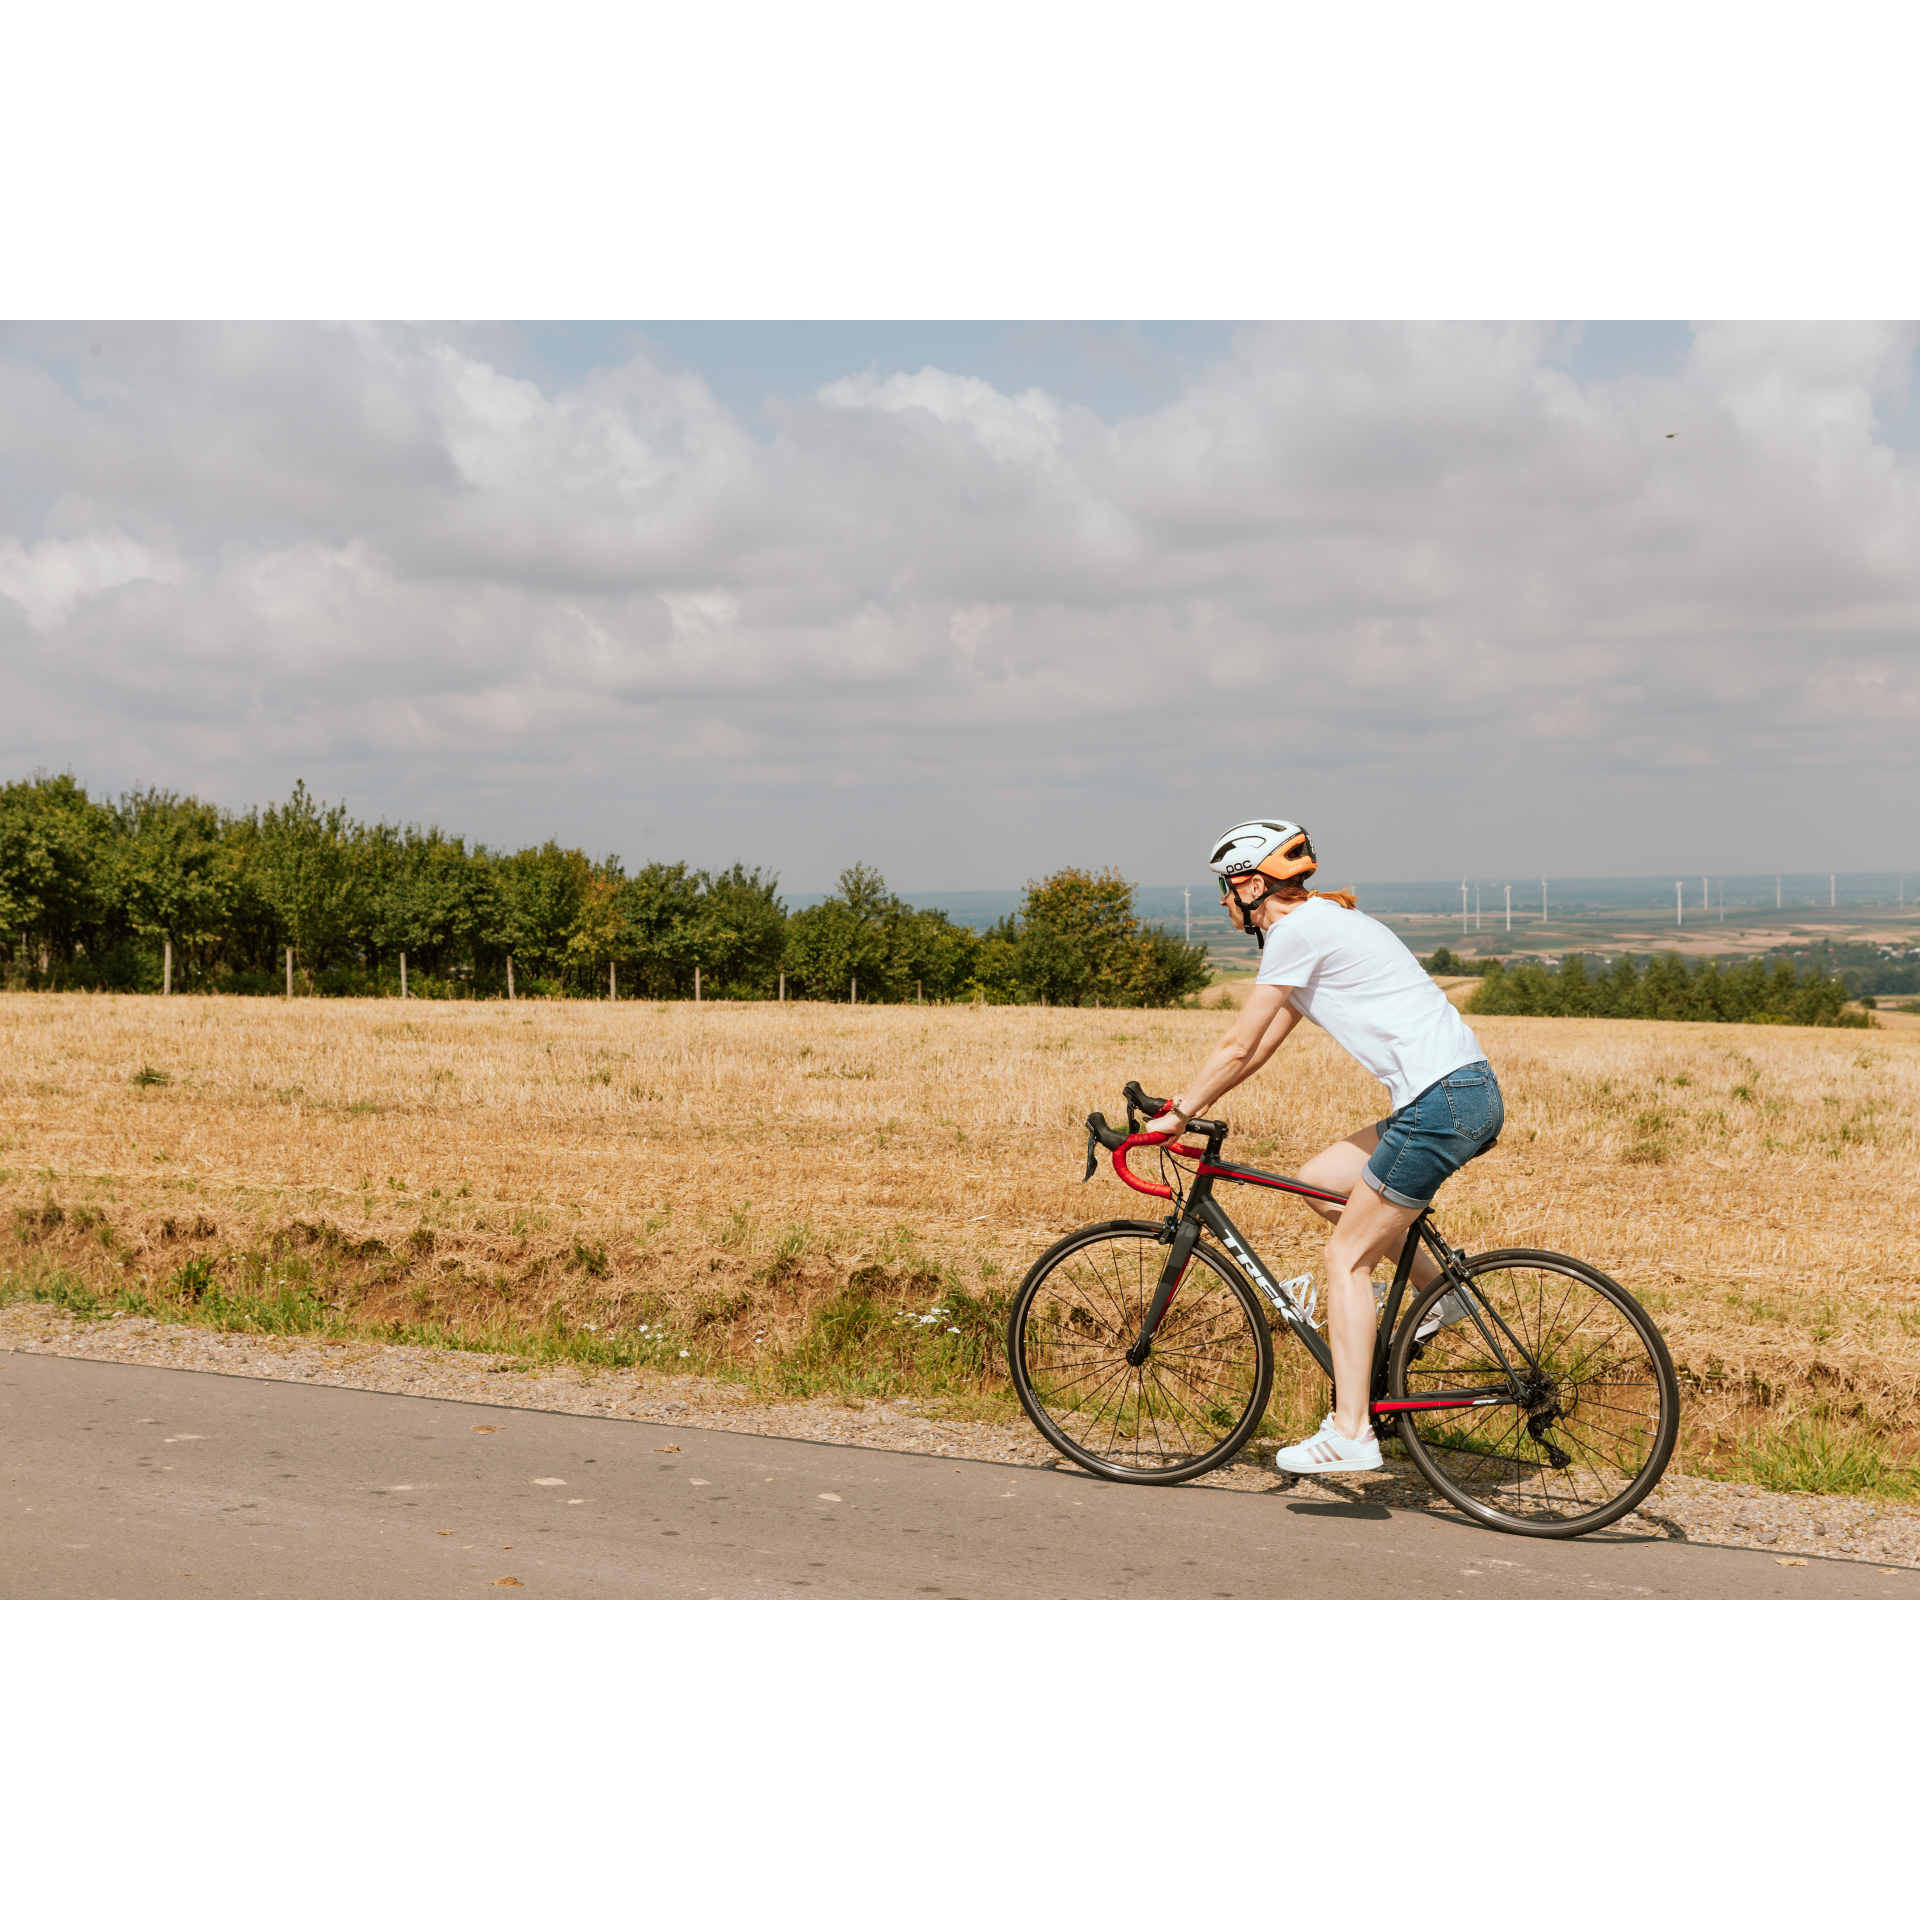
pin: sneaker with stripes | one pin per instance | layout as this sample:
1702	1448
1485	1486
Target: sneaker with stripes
1330	1451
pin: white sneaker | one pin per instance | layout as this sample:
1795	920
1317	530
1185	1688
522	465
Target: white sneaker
1452	1308
1330	1451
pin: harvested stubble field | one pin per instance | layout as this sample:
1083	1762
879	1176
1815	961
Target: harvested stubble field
821	1199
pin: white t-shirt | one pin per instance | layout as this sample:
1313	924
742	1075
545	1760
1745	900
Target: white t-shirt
1355	980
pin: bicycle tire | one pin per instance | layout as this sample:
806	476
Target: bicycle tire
1603	1397
1199	1396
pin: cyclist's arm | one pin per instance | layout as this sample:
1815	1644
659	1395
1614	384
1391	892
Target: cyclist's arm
1246	1046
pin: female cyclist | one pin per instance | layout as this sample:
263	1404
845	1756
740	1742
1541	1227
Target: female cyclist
1323	960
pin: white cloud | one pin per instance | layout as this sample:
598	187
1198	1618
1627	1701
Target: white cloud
49	578
1414	582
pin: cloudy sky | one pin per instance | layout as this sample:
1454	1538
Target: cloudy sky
970	601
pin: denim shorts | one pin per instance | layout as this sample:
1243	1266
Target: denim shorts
1436	1133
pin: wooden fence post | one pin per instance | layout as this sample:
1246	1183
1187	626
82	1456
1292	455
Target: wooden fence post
919	994
509	976
613	986
166	970
696	986
289	973
783	989
853	992
403	976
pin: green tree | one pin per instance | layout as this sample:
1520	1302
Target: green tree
846	938
311	877
663	934
537	895
994	974
742	930
936	958
422	894
1080	941
170	873
53	840
248	952
599	930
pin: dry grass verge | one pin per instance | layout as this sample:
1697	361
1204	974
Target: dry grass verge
806	1198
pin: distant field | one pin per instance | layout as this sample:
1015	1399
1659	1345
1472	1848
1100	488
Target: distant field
1740	933
1602	930
641	1179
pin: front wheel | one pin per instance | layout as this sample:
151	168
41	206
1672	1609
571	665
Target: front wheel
1590	1429
1199	1395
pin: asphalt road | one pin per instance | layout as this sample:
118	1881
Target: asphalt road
137	1482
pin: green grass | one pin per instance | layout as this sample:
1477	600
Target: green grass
1824	1455
867	1343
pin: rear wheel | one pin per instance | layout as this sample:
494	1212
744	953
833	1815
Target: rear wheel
1195	1401
1599	1406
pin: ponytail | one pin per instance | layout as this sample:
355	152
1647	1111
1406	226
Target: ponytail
1296	891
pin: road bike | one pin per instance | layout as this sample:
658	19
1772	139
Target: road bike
1528	1388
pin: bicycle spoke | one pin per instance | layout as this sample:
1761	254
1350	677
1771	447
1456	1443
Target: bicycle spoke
1115	1393
1167	1388
1122	1313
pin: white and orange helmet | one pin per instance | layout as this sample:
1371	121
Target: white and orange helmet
1278	848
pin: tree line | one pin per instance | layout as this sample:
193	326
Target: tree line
162	891
1666	989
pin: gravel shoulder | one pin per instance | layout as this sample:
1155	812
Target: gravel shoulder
1713	1512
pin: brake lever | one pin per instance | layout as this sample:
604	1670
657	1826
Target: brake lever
1093	1148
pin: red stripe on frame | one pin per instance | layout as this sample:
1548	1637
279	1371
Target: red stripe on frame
1429	1406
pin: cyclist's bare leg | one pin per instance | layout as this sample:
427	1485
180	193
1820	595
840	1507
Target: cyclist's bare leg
1370	1229
1337	1169
1366	1231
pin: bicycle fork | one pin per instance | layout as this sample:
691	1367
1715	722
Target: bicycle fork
1186	1236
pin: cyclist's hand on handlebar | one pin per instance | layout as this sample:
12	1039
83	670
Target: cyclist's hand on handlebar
1168	1125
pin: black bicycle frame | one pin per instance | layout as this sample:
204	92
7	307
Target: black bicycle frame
1201	1209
